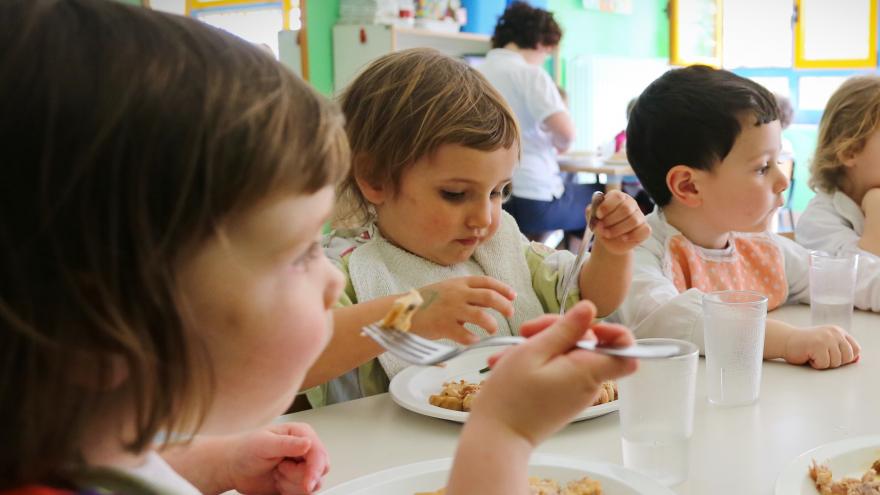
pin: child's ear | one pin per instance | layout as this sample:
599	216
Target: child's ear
86	373
847	158
362	164
682	183
374	194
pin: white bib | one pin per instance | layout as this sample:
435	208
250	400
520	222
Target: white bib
379	268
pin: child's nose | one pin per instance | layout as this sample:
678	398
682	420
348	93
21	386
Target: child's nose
480	215
782	181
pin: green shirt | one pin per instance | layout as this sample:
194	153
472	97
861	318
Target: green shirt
546	266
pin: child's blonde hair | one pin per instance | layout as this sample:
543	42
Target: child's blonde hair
129	137
851	115
403	107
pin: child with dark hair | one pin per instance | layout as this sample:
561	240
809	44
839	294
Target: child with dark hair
705	144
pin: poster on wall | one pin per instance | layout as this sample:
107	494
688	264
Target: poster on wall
613	6
695	32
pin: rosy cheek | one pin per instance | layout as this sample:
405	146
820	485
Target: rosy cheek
436	222
496	222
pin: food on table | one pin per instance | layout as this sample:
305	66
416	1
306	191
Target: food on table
400	315
869	484
458	396
543	486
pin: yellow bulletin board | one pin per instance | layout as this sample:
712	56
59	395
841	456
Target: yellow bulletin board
296	38
839	34
695	32
213	4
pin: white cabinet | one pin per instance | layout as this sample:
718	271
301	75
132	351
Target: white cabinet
354	46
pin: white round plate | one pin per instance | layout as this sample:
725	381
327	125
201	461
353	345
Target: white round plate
428	476
846	458
411	387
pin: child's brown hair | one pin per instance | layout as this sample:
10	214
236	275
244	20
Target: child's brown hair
129	136
403	107
851	115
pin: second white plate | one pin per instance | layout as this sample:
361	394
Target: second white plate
846	458
412	387
432	475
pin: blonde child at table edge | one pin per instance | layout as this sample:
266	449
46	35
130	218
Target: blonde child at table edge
844	215
704	143
433	151
162	271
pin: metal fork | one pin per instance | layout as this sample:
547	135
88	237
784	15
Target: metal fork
575	270
415	349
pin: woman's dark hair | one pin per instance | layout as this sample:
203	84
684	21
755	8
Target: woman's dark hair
128	137
526	26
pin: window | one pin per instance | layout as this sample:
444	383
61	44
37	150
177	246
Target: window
256	21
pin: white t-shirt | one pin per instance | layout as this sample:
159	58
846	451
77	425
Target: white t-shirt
533	96
832	223
664	298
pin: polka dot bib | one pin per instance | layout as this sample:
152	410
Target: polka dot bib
750	262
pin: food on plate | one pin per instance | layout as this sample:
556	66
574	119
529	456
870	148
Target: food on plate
400	315
869	484
543	486
458	396
607	393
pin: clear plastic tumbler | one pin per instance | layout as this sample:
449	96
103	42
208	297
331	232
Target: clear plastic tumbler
832	288
733	329
657	413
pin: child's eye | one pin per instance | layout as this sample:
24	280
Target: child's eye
312	253
453	196
504	193
764	169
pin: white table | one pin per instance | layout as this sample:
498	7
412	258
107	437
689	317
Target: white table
737	451
588	163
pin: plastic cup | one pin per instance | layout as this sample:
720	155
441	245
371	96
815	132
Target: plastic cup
733	329
657	413
832	288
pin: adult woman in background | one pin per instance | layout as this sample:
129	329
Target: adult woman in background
542	201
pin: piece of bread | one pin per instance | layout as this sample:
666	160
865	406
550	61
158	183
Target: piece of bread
400	315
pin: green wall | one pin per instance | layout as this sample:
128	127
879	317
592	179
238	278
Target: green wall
321	15
644	33
803	139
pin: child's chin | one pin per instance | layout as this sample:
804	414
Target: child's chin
463	257
762	225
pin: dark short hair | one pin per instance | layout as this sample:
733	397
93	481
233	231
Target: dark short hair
690	116
129	136
526	26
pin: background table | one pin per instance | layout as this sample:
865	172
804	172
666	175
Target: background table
736	451
588	163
